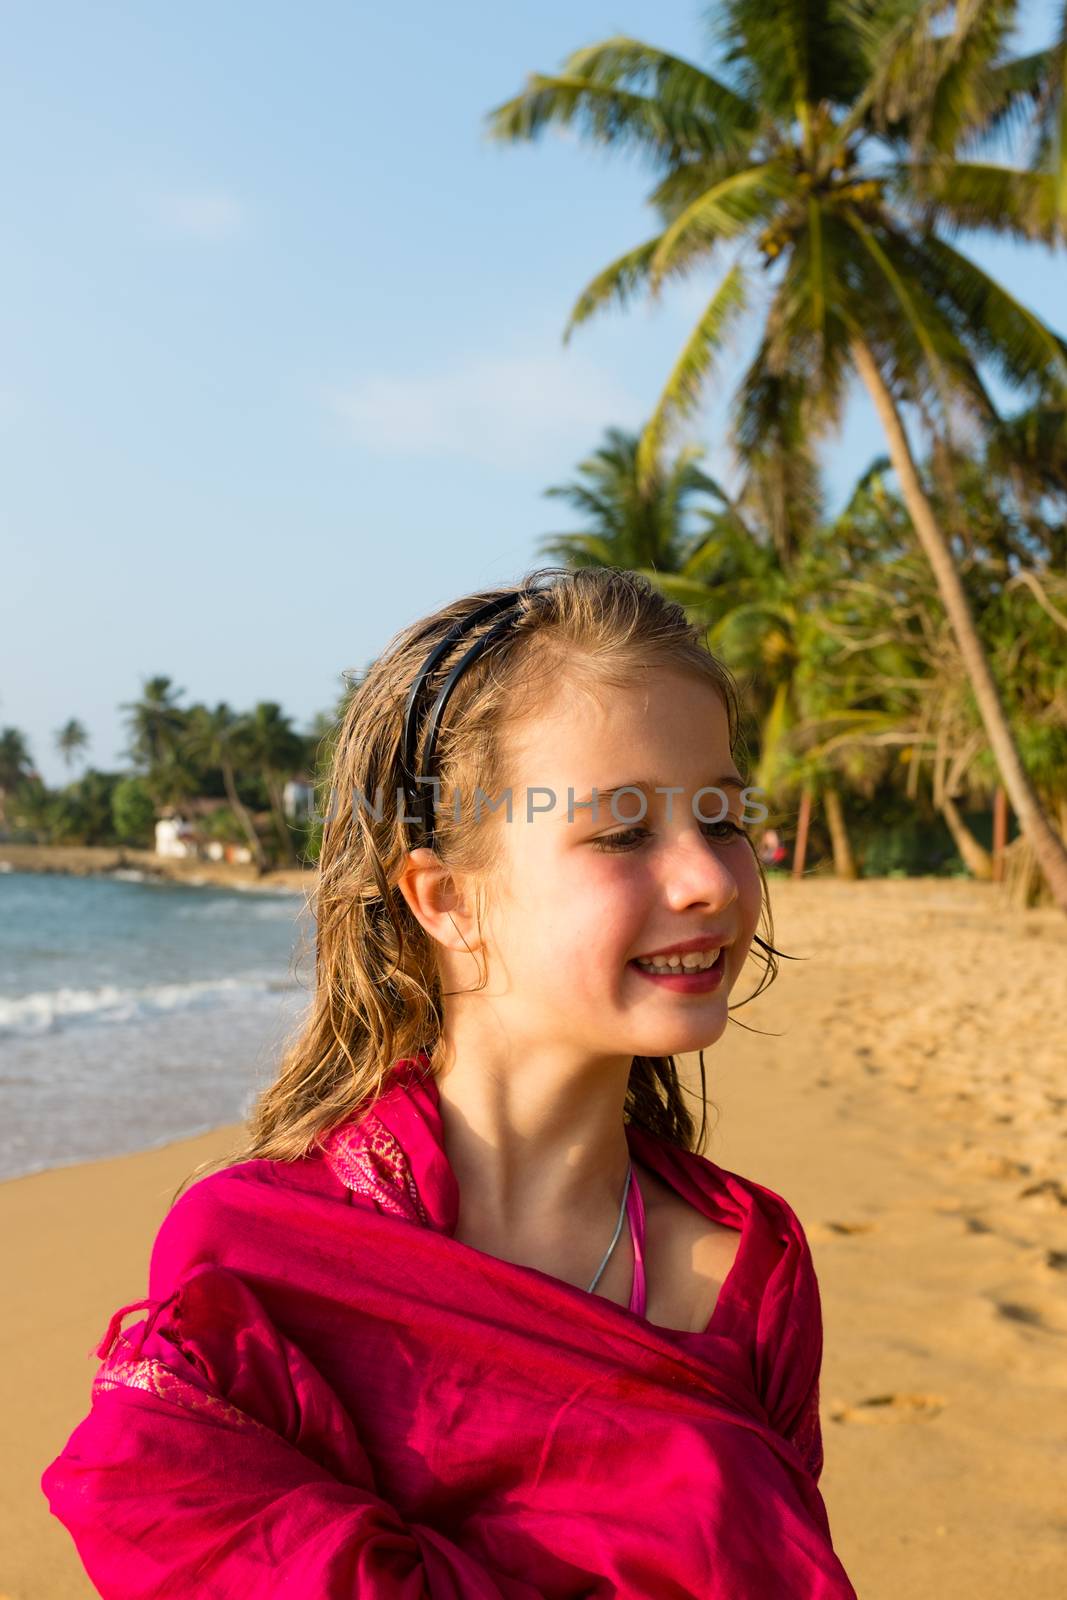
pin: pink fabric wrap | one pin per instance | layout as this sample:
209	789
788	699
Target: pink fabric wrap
330	1396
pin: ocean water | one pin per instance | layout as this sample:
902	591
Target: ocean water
134	1011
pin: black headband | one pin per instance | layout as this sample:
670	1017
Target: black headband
421	798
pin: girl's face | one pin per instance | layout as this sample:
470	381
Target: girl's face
579	896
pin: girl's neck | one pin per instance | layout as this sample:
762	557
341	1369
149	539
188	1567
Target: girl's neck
535	1138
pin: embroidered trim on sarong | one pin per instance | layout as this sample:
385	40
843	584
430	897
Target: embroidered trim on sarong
369	1160
121	1371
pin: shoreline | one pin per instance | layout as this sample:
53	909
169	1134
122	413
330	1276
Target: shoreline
211	1134
167	1141
90	861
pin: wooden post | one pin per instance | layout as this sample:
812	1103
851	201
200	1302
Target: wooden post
801	848
1000	831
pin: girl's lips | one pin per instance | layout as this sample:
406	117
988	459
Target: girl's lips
687	982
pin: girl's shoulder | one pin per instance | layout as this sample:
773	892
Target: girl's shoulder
246	1182
239	1207
776	1268
732	1197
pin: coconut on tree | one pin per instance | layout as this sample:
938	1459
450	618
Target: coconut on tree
832	157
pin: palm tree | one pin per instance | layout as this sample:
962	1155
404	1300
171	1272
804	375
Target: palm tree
157	726
1041	78
896	631
71	739
824	155
896	654
220	739
278	750
16	765
641	524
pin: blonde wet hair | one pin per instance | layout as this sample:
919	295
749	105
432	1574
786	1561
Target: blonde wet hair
377	996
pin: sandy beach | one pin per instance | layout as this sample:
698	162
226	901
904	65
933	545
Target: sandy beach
907	1093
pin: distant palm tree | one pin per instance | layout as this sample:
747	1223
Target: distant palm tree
16	765
640	524
278	751
219	739
71	739
825	155
157	725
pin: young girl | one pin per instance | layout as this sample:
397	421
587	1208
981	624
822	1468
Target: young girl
470	1316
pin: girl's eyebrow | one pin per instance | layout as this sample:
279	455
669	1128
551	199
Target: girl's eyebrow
729	780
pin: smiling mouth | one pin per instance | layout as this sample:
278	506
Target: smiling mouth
691	961
685	980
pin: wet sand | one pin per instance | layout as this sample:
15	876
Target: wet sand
908	1096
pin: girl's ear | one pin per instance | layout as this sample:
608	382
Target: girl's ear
439	900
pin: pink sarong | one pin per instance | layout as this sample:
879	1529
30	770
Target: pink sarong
329	1395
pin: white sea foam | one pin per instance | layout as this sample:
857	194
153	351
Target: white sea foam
50	1009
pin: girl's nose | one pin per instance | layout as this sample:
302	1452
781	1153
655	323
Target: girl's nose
698	872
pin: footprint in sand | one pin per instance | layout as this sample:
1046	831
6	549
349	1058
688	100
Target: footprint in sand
988	1165
1050	1192
889	1408
820	1232
1014	1311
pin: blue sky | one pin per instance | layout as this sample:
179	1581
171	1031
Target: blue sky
281	365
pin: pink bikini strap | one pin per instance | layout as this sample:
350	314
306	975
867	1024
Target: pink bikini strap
635	1210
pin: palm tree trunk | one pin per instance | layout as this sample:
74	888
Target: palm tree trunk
975	857
844	864
1049	850
1000	832
240	811
271	784
800	850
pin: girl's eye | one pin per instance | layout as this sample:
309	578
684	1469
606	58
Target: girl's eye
630	838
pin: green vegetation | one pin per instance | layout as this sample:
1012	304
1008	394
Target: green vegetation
241	762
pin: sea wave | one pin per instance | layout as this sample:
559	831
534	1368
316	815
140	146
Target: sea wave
50	1009
272	907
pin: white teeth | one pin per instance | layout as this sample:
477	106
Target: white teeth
691	961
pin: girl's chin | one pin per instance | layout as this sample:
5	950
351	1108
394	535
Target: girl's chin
684	1040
